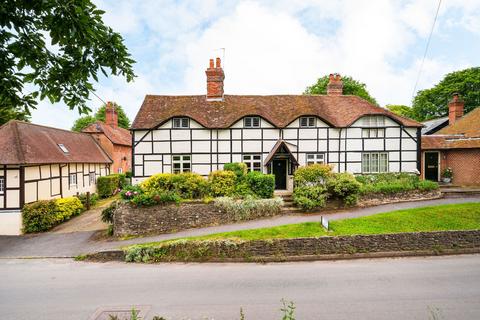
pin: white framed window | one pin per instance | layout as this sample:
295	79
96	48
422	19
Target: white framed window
2	185
251	122
120	170
313	158
72	179
374	162
308	122
374	126
253	162
92	177
63	148
181	163
373	132
374	121
181	122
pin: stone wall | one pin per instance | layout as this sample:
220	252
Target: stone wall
375	199
282	249
130	220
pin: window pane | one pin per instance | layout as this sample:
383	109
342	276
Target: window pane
176	158
366	162
311	122
374	162
176	165
248	122
365	133
186	158
303	122
383	165
246	157
186	165
381	133
256	157
310	156
256	122
381	121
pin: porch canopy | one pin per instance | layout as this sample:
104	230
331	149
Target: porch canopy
281	150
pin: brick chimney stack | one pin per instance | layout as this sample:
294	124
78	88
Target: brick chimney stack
111	116
215	77
335	85
455	108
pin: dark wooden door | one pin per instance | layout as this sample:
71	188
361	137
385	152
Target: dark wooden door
431	166
280	172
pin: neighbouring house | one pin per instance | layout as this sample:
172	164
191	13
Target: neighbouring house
40	163
455	146
271	133
116	141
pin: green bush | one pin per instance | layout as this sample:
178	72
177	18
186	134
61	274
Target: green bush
242	209
427	185
315	174
262	185
160	181
155	198
222	183
45	214
83	199
239	168
344	186
107	213
310	197
130	191
388	183
108	185
188	185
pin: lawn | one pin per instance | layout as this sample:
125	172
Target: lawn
436	218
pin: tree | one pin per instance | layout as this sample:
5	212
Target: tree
9	113
80	46
399	109
83	122
350	86
433	103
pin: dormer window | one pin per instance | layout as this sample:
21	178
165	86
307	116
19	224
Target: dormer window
251	122
307	122
373	127
181	123
63	148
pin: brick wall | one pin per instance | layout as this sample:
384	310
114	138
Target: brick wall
465	164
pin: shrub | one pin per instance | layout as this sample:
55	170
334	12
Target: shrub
189	185
107	213
239	168
245	208
83	199
130	191
222	183
128	174
155	198
45	214
262	185
108	185
314	174
310	197
427	185
160	181
345	187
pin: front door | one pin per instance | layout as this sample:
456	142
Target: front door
431	166
280	172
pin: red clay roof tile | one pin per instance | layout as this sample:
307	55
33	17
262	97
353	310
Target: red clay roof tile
116	135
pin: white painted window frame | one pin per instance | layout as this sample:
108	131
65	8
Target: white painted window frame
181	161
92	177
249	122
373	164
71	177
250	159
180	123
310	122
2	185
313	158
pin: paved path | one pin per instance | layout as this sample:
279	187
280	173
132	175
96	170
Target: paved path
88	221
402	288
73	244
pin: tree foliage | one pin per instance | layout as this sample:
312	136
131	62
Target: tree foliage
55	49
433	103
350	87
11	113
399	109
83	122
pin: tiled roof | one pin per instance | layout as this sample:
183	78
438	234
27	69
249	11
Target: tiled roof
116	135
280	110
468	125
26	143
435	142
432	126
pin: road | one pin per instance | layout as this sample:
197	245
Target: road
402	288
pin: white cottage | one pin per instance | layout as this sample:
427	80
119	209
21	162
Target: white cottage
273	134
41	163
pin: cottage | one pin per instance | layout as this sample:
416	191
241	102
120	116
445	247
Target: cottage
116	141
273	133
40	163
455	145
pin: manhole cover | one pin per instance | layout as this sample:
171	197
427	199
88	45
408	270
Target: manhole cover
120	312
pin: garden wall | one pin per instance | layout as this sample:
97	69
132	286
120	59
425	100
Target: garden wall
283	249
130	220
375	199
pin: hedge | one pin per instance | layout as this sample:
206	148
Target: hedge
187	185
262	185
108	185
45	214
222	183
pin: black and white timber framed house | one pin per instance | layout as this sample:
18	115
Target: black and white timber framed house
273	134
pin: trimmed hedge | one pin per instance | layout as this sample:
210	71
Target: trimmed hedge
262	185
108	185
222	183
187	185
45	214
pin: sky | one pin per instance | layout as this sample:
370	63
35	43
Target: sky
281	47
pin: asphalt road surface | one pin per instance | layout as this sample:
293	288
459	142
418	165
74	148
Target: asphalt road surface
445	287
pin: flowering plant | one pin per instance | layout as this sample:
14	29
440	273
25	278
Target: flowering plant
447	173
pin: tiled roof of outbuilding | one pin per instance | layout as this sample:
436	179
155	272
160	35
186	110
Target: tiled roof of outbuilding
280	110
116	135
27	143
468	125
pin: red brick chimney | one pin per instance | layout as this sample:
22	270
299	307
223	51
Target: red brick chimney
111	116
335	85
215	77
455	109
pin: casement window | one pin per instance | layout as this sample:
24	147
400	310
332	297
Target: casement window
374	162
375	126
307	122
120	170
181	163
2	185
181	123
253	162
251	122
72	179
92	177
313	158
63	148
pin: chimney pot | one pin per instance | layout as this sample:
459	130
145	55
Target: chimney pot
335	85
218	63
215	77
455	108
211	64
111	115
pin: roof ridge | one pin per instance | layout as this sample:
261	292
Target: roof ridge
46	127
